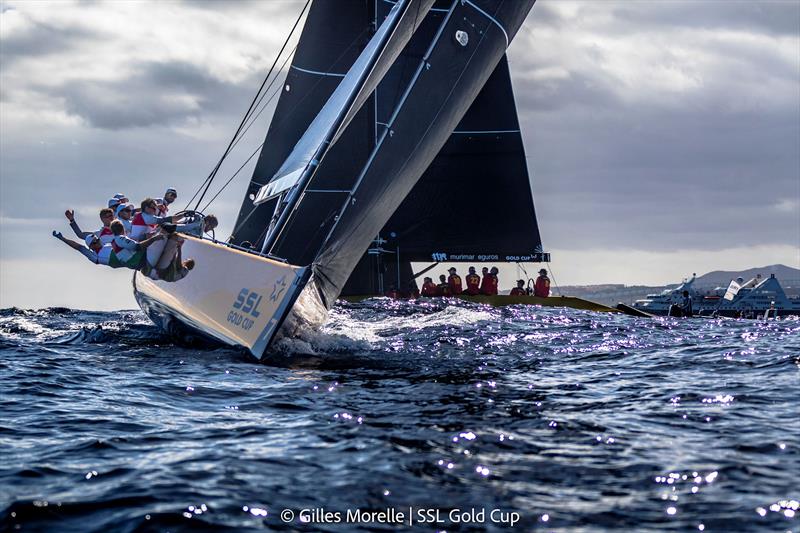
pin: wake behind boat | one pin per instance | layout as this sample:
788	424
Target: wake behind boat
338	162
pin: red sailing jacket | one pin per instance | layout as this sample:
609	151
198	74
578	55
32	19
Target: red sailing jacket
516	291
429	289
454	284
489	284
542	287
473	284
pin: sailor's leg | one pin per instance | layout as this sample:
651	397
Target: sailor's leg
168	253
154	252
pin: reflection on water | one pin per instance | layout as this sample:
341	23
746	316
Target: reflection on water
568	418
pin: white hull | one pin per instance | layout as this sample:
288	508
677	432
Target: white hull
236	298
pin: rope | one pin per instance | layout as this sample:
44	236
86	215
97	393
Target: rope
207	182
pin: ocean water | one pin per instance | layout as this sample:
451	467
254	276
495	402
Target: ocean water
459	416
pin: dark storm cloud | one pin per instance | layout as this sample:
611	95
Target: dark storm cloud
157	94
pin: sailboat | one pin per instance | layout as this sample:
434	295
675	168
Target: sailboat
395	118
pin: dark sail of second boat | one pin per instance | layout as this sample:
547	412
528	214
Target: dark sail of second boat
456	55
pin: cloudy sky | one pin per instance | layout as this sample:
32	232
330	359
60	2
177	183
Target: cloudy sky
663	137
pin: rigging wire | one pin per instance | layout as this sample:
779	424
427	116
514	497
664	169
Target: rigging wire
550	268
254	118
207	182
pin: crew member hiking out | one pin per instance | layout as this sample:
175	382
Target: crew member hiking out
145	224
104	233
542	286
98	253
127	252
454	282
473	282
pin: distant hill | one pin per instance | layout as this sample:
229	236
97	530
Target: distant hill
610	294
784	274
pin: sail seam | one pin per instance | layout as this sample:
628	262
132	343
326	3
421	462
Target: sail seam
318	73
486	131
487	15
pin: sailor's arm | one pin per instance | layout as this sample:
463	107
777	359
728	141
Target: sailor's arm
152	219
72	244
91	255
70	214
141	245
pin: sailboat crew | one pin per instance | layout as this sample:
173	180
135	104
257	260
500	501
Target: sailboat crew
392	293
144	224
163	203
126	251
429	287
411	290
454	282
125	215
178	269
199	226
686	304
442	289
489	281
147	220
542	286
104	233
519	290
102	254
170	266
473	282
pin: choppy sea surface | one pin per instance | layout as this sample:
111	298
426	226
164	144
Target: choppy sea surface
555	419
